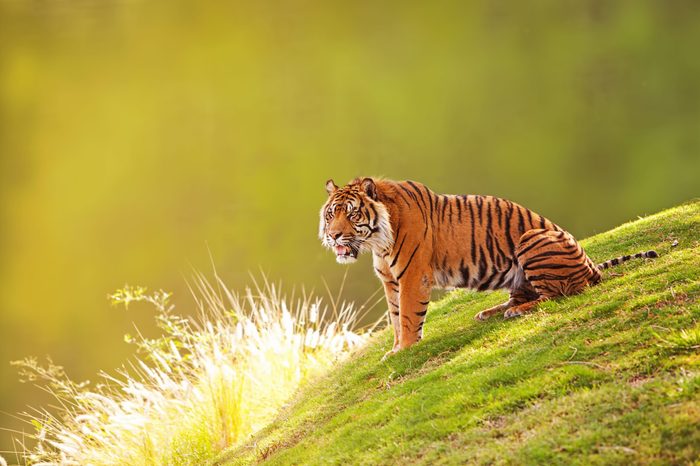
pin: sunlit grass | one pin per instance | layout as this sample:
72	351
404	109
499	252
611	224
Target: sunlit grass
208	383
686	339
609	376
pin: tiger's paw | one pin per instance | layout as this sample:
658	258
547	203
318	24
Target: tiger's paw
483	315
510	314
390	353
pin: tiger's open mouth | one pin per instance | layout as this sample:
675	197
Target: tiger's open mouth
344	253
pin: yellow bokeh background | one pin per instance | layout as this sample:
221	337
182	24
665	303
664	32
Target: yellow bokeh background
136	137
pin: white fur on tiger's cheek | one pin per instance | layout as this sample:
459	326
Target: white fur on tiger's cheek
383	240
322	223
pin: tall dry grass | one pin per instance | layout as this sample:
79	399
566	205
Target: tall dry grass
208	383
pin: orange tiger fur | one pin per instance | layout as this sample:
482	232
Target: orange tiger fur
420	240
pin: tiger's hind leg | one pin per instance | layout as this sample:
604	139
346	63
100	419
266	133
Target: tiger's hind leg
554	265
486	313
521	295
522	309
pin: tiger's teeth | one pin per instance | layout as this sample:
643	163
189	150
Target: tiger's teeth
342	250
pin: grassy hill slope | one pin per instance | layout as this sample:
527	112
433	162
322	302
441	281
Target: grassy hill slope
610	376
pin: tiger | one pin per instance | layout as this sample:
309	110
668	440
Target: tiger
421	240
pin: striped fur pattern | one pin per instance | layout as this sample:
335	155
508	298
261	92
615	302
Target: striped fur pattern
421	240
621	259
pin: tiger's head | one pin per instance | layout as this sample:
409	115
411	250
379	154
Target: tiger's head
354	221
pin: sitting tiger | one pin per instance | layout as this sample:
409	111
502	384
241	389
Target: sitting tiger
420	240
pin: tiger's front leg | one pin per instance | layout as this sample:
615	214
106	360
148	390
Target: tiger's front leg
414	296
391	293
414	275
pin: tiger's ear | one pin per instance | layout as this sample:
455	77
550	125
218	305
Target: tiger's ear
369	188
330	187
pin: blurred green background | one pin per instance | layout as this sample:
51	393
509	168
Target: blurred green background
136	135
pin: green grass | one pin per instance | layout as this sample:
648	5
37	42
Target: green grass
610	376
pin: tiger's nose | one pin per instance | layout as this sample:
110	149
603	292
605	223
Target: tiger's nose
335	234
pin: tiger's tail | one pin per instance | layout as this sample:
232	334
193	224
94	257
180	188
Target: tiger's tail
621	259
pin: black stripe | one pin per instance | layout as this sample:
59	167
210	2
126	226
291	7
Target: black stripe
421	313
464	270
423	303
422	208
536	243
501	257
410	193
528	235
374	211
509	217
521	221
396	257
420	205
398	277
574	249
444	200
575	255
497	205
380	272
496	260
584	271
479	205
394	304
489	235
482	263
473	246
571	261
529	217
417	189
459	209
430	201
552	266
404	198
464	200
547	276
485	285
